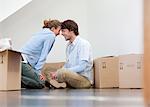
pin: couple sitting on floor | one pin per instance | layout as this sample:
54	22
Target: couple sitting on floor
77	70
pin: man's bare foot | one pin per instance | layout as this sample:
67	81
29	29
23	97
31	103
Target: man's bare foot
56	84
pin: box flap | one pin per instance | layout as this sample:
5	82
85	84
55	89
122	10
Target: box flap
10	50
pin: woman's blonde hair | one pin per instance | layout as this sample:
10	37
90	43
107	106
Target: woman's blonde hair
51	23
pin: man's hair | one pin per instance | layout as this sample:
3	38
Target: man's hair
71	26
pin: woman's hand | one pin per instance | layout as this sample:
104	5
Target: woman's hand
42	77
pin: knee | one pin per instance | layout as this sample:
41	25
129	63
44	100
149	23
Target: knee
62	74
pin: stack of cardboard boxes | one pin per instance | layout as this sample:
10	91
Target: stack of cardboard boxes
125	71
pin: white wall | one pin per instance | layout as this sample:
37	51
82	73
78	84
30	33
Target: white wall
0	31
21	25
115	26
8	7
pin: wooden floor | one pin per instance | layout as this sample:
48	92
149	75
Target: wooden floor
72	98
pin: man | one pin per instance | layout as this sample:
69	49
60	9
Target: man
77	71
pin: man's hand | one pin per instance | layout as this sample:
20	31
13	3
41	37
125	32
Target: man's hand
53	75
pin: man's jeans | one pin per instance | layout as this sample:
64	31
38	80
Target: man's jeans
73	79
29	78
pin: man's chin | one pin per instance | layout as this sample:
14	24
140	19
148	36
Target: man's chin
67	39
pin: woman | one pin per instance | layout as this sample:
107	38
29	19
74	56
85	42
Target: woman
35	51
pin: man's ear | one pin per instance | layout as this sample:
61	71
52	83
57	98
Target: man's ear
72	32
53	28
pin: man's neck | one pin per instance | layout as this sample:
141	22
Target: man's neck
73	38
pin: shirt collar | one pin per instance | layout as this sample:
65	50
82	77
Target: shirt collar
75	41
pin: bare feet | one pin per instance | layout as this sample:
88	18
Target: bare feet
56	84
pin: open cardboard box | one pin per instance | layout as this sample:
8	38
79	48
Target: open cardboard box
10	70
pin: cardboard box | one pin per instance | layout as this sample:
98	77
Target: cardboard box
10	70
52	66
131	71
106	72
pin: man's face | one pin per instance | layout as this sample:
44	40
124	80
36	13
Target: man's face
66	33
